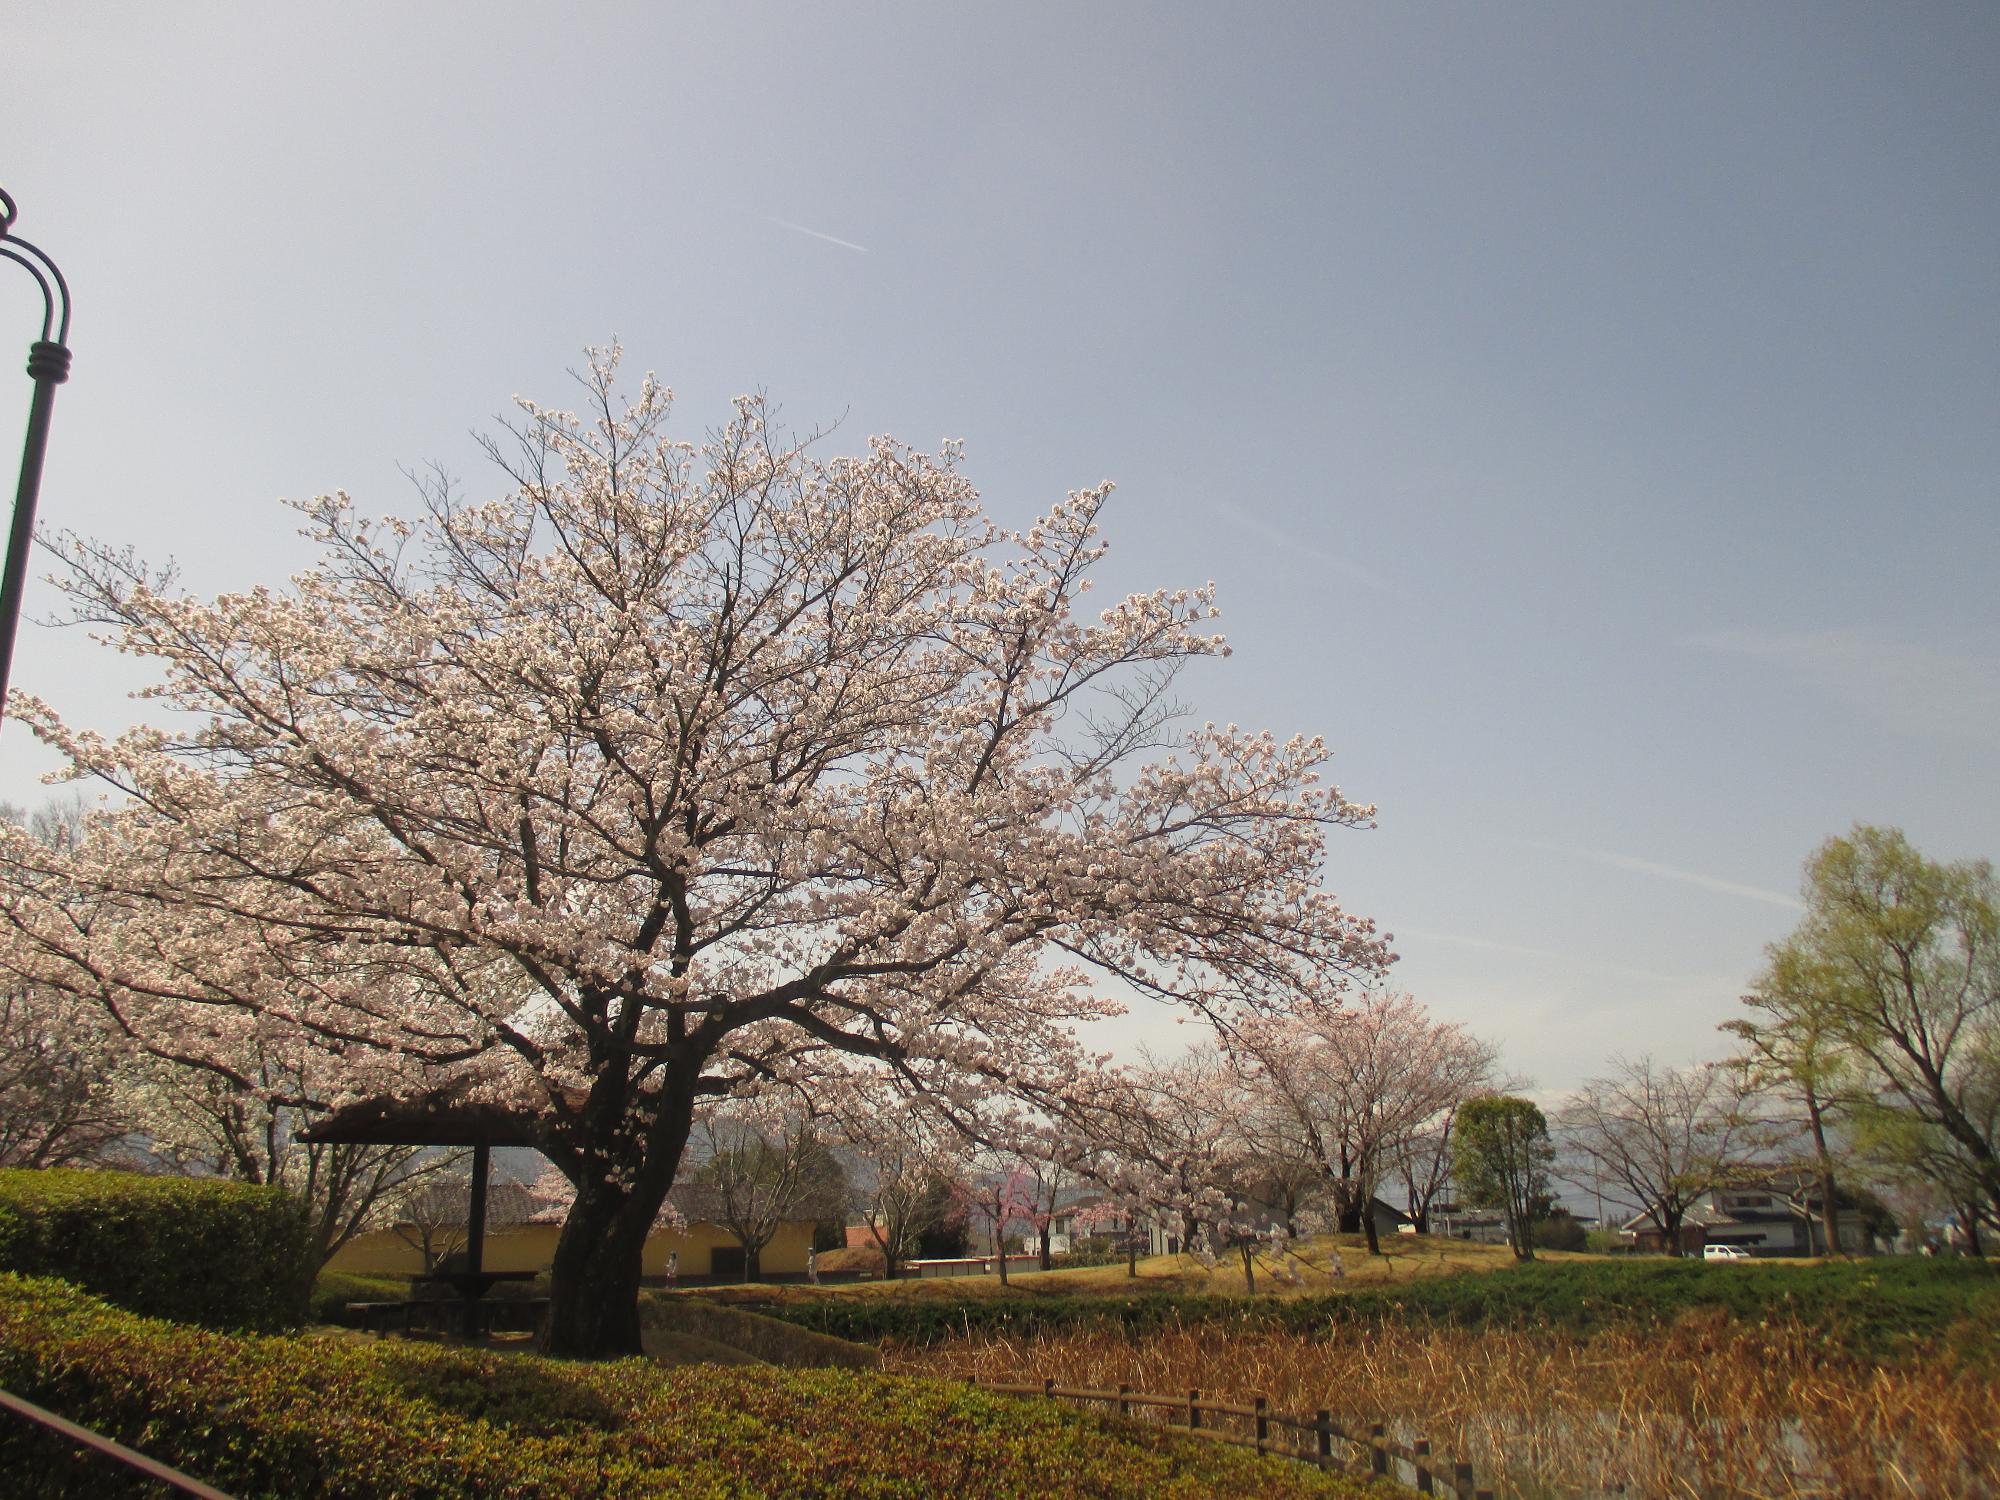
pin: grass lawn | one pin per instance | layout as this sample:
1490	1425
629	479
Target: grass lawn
1405	1257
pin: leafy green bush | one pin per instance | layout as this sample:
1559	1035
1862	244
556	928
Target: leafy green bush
326	1418
1098	1250
1873	1307
333	1290
197	1250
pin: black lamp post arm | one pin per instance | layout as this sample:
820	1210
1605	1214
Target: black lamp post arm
48	366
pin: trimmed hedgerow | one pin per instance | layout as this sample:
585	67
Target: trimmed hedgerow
1876	1307
196	1250
333	1290
332	1418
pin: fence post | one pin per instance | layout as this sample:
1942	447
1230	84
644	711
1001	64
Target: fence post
1124	1406
1461	1479
1257	1404
1378	1456
1323	1425
1423	1450
1194	1410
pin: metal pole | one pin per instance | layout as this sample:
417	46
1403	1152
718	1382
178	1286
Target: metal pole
48	366
48	363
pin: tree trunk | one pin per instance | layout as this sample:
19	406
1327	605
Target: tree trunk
1368	1227
1131	1252
594	1282
1670	1223
1000	1255
1249	1251
1829	1209
1350	1214
753	1262
1048	1256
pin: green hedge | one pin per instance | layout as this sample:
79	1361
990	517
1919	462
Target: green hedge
1873	1307
333	1290
332	1418
197	1250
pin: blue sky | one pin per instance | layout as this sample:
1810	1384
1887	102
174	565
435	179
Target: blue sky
1589	414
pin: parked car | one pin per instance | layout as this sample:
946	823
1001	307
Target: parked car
1724	1252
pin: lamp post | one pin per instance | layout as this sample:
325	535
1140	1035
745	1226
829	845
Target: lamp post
48	366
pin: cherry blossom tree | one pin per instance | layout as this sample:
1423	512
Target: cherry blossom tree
669	770
1054	1156
1175	1144
1000	1193
57	1104
57	1054
1362	1086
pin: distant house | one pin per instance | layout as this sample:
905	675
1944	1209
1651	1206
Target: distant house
1482	1226
1757	1218
1088	1215
695	1250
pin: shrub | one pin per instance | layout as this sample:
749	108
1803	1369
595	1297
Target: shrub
1098	1250
320	1418
196	1250
333	1290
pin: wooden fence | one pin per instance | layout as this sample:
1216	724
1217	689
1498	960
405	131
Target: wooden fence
117	1453
1311	1439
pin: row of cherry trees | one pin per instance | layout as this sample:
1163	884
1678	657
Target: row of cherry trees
1297	1122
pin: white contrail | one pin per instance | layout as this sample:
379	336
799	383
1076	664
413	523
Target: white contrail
1545	955
831	239
1297	546
1686	877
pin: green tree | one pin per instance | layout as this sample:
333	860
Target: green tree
1795	1050
1501	1158
1898	958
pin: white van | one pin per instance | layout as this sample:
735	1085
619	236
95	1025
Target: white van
1724	1252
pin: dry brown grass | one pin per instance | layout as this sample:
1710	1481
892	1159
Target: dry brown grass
1704	1408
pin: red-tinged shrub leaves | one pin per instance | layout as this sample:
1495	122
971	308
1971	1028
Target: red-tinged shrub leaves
320	1418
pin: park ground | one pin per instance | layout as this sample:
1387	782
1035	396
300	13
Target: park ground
1576	1376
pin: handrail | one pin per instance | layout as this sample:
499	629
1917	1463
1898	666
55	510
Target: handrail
1381	1451
152	1468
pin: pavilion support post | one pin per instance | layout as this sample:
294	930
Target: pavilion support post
475	1227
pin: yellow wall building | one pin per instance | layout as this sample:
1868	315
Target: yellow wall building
532	1247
